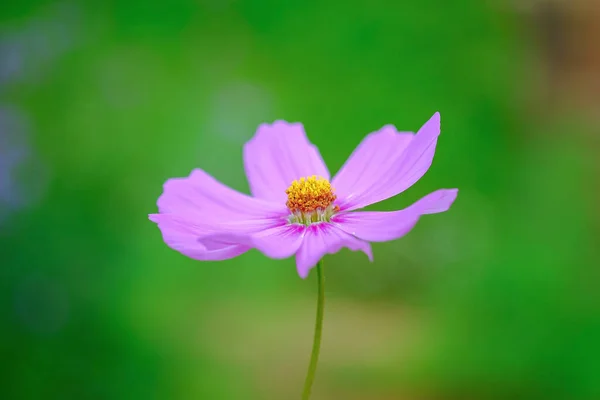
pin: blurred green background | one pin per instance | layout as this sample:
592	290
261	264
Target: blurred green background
101	103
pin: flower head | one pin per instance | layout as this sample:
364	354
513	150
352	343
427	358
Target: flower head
295	207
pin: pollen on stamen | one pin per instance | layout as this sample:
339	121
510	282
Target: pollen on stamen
310	194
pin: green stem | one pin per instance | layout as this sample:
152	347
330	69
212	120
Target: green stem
314	358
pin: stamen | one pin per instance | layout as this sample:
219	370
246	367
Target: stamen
310	200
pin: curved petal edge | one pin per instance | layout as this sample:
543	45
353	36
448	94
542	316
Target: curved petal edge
382	226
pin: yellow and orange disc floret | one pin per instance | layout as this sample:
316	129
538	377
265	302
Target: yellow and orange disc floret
310	200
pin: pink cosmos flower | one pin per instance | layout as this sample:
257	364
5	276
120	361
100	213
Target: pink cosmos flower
294	209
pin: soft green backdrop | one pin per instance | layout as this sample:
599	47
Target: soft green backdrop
498	298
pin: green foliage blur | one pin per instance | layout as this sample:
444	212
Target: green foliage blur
100	103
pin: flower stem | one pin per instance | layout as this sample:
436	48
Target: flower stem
314	358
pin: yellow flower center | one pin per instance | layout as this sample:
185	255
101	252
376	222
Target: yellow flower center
309	194
310	200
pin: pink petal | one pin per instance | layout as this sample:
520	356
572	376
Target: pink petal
278	154
185	238
277	240
197	212
280	241
200	196
384	226
386	163
377	152
324	238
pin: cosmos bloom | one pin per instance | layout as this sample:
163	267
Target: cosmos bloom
295	208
